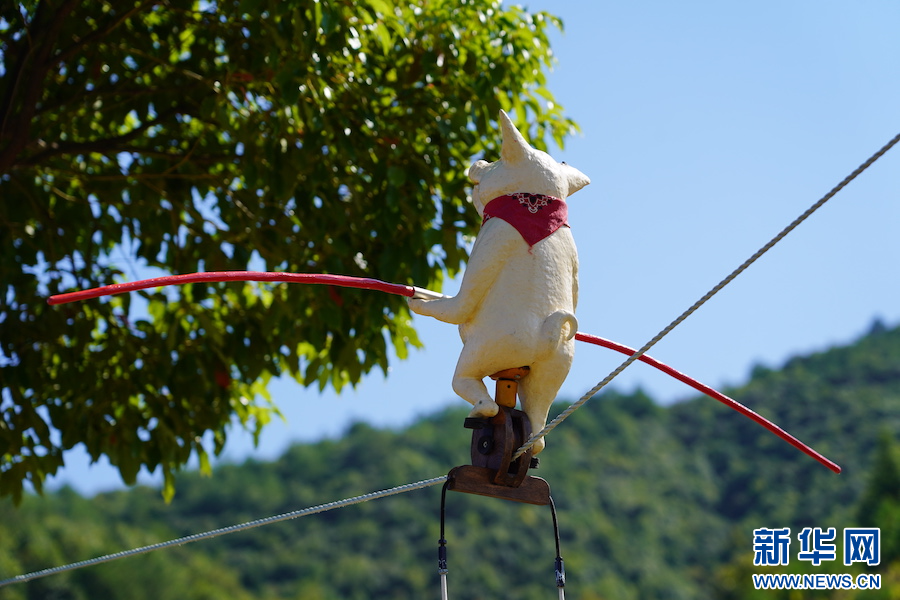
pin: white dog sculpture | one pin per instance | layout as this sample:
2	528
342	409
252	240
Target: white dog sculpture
517	299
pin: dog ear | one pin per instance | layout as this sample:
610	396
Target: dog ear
575	178
476	170
514	148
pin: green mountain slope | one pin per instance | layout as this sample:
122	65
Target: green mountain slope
654	503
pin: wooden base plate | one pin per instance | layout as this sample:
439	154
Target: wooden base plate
480	480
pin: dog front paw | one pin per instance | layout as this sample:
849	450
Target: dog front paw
484	409
418	306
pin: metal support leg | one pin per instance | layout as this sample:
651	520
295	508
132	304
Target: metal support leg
560	566
442	546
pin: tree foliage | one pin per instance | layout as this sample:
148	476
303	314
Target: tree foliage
148	136
880	503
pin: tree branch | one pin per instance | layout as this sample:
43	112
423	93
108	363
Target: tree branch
41	41
205	159
102	145
102	32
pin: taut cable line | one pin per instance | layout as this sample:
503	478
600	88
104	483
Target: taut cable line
665	331
226	530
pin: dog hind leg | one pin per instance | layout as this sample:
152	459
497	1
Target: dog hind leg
538	391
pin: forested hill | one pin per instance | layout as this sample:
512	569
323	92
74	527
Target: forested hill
654	503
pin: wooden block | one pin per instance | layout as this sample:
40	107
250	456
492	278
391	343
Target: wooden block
479	481
506	393
513	374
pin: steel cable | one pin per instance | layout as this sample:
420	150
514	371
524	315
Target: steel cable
712	292
226	530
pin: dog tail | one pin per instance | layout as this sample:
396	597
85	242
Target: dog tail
558	328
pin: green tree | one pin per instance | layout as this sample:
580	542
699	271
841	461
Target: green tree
880	502
178	136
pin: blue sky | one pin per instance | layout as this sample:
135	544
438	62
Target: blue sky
706	128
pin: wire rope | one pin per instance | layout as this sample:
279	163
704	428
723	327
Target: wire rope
226	530
712	292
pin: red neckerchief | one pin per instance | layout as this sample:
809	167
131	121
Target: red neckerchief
534	216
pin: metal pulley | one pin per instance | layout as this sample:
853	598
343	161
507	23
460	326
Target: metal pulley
494	472
495	439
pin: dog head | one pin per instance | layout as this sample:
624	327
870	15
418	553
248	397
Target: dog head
521	168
